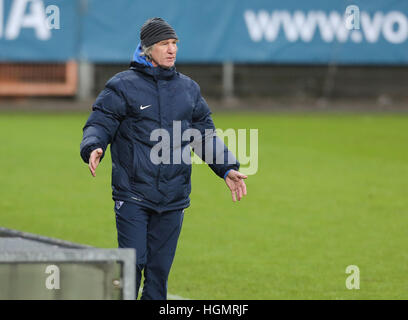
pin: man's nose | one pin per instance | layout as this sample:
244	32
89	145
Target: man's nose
172	48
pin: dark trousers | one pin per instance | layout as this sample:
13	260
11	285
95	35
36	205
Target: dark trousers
154	236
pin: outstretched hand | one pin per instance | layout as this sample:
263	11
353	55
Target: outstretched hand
94	160
235	182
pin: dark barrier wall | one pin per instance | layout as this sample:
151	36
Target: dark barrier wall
256	31
295	82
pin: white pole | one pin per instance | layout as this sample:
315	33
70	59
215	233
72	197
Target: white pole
228	79
86	80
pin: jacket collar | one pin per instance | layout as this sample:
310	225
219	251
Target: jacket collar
158	73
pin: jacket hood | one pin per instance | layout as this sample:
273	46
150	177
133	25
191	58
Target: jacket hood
137	57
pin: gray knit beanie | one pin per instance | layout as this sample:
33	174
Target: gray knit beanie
155	30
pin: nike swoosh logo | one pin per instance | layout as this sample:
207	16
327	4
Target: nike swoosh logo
144	107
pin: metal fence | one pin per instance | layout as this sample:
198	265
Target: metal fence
38	79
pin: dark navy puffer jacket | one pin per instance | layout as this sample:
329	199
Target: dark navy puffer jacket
133	104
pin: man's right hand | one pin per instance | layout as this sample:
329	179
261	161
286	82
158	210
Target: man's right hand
94	160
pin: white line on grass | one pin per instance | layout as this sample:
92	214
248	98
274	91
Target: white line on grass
169	296
176	297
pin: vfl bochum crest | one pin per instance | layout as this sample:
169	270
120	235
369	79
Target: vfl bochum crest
118	204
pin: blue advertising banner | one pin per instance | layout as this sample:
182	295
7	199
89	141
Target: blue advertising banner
39	30
259	31
254	31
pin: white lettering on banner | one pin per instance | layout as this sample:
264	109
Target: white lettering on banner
399	35
301	26
34	19
262	25
39	18
372	29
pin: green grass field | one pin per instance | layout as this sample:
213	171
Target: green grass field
331	191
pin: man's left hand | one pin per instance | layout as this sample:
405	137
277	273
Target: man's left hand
235	182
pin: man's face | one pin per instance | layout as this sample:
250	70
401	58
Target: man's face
164	53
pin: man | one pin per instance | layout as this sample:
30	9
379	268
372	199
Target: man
151	186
